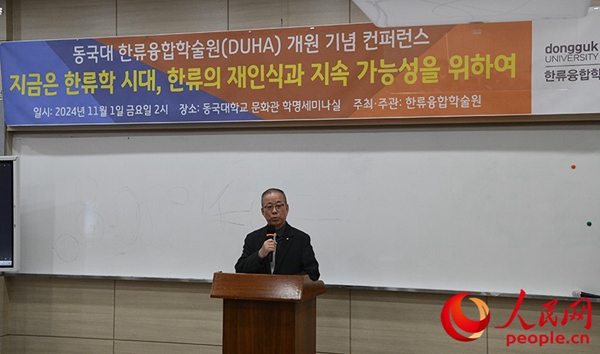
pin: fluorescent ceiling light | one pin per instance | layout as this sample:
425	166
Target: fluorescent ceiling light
397	13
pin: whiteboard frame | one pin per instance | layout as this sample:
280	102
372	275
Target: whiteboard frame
591	120
314	123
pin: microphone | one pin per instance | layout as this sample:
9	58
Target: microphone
271	232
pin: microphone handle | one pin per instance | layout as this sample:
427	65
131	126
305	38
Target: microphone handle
270	259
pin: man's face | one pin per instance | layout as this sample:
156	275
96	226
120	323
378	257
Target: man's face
275	209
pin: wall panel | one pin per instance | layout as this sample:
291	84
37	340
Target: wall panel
53	315
257	14
392	322
318	12
333	321
134	347
41	306
47	345
3	307
54	19
144	17
167	312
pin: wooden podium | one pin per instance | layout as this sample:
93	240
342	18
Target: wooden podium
270	314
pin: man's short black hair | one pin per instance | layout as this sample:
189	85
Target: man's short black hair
272	190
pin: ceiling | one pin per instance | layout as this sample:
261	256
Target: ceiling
395	13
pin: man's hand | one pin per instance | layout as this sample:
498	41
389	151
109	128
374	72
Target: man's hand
268	246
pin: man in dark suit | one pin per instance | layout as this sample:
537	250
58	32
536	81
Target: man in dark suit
289	252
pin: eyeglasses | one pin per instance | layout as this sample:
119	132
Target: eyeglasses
270	207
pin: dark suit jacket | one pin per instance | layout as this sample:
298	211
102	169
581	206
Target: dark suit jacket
294	254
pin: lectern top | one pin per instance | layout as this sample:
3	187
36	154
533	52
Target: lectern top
267	287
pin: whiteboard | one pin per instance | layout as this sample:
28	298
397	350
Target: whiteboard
483	209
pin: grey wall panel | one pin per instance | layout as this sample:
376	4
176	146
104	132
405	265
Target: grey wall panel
260	14
53	19
317	12
141	17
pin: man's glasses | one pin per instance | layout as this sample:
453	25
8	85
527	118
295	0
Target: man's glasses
270	207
